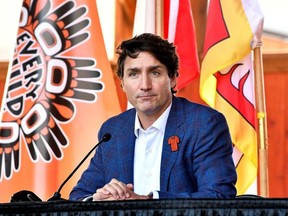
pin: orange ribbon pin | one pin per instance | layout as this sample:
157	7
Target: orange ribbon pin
173	141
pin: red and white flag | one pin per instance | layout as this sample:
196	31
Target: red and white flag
59	90
179	28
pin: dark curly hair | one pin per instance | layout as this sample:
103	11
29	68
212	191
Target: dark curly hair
161	49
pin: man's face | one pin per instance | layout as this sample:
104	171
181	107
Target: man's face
147	85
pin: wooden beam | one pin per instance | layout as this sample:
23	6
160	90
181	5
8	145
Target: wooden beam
276	62
199	10
3	69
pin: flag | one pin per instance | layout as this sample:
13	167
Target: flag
59	90
233	29
178	28
144	19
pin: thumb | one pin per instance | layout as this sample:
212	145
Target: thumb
130	186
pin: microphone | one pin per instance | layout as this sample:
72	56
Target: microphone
25	196
57	196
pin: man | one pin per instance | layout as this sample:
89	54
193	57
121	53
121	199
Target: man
163	147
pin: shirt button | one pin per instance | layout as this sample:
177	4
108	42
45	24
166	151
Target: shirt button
149	151
149	174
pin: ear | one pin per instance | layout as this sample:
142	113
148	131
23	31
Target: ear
122	84
173	81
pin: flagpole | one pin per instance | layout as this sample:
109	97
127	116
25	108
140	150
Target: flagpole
159	14
262	122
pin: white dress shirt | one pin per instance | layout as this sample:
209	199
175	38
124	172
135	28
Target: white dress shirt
147	155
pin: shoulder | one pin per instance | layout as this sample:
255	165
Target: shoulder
188	106
123	117
120	122
192	111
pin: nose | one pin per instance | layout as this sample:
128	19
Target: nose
145	82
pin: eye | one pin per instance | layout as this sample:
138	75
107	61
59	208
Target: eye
155	73
132	74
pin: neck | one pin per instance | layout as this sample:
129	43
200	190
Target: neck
146	122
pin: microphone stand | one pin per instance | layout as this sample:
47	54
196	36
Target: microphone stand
57	195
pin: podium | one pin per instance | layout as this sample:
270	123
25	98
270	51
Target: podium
242	206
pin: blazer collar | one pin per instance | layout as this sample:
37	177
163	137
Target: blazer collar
126	146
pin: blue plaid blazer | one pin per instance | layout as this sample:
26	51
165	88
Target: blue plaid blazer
201	166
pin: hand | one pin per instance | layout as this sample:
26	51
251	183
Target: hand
116	190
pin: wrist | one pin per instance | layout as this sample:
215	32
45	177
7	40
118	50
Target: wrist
147	197
150	195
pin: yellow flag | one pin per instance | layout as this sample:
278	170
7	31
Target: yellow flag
234	27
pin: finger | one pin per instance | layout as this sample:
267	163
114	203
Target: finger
102	190
118	189
98	196
125	188
114	190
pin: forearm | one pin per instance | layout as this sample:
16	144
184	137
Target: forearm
207	194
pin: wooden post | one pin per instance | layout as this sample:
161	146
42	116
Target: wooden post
159	18
262	122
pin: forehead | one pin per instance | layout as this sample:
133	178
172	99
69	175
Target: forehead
144	59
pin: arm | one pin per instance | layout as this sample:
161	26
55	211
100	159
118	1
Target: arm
214	167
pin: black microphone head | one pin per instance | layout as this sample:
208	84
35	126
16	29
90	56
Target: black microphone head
106	137
24	196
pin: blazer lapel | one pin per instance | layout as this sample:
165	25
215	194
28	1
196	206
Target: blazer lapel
126	146
172	132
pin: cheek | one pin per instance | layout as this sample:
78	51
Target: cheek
164	89
128	88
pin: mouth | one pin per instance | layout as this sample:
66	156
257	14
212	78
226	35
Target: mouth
145	97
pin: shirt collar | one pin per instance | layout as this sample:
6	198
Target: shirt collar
159	124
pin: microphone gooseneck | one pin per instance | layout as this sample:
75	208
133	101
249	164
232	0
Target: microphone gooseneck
57	196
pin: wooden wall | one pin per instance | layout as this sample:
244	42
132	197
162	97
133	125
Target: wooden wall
276	88
3	71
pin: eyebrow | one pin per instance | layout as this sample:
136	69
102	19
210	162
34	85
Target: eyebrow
153	67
